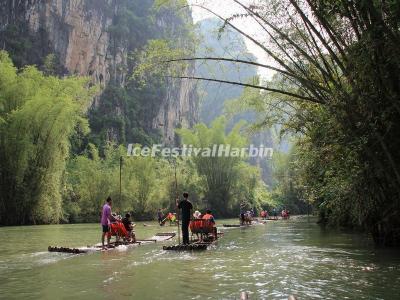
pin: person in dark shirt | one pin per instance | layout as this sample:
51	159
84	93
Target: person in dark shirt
127	221
242	212
186	206
160	217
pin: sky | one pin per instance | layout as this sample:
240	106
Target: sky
227	8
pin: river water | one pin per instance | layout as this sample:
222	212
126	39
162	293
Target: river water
269	261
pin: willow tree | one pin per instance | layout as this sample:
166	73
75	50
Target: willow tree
38	116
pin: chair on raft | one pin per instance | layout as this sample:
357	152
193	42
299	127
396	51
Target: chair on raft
201	227
118	230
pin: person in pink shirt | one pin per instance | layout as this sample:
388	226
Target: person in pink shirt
106	218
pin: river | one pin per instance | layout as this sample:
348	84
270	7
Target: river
269	261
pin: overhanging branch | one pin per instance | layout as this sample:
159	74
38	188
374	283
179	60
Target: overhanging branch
315	84
260	87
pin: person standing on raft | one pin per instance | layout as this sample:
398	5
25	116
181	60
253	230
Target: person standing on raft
186	206
160	217
242	212
106	218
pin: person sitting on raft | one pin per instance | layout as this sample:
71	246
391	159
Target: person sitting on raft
264	214
127	221
197	215
173	219
117	229
208	216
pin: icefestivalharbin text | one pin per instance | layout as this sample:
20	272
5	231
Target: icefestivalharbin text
223	150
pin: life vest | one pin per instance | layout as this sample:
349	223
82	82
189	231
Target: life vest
208	217
118	228
201	226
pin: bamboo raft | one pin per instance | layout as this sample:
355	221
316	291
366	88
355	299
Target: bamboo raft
195	245
159	237
254	223
189	247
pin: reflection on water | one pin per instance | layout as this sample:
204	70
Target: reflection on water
269	261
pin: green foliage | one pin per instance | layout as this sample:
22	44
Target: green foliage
289	188
133	23
125	112
344	57
52	66
39	114
158	57
228	180
135	106
88	180
24	47
146	186
147	183
155	59
162	4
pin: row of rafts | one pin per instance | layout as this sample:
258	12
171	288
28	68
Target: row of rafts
195	245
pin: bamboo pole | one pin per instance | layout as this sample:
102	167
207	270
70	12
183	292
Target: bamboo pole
176	199
120	182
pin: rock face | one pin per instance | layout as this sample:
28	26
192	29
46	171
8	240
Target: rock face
78	32
179	110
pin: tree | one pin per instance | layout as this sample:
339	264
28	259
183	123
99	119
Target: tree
145	184
38	116
222	173
338	63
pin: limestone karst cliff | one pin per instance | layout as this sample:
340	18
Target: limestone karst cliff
216	96
95	38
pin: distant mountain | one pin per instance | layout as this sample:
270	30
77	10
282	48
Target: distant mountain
230	44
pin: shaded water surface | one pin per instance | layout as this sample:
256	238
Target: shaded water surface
269	261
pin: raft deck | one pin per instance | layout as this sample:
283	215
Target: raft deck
159	237
254	223
195	245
